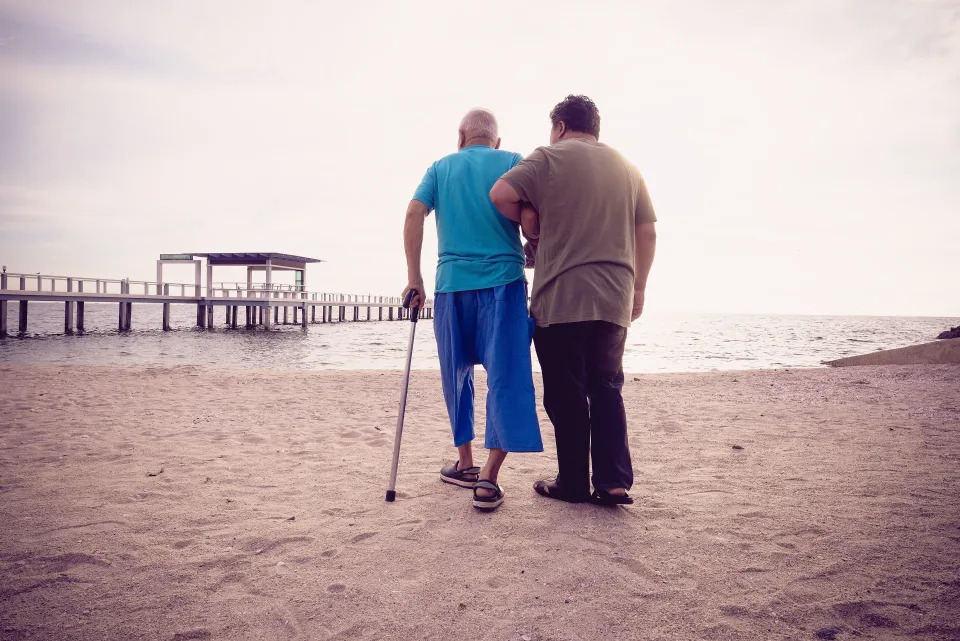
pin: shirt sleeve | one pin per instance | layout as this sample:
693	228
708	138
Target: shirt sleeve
644	213
529	178
427	191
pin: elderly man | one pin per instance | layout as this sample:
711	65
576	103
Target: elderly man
597	241
480	306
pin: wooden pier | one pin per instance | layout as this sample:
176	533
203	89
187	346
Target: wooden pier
263	304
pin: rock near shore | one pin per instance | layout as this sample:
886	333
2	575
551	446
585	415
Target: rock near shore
953	332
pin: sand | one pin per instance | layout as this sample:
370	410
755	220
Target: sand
941	352
193	504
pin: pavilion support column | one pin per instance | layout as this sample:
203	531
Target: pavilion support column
303	315
233	316
286	316
267	318
201	315
246	316
276	315
313	313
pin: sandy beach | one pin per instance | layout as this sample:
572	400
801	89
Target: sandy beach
184	503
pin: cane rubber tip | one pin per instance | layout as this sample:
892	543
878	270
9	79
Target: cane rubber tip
391	496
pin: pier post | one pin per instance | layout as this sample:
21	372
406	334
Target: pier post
391	313
3	307
201	315
233	316
166	308
80	305
121	312
68	310
313	313
22	328
303	315
246	316
128	309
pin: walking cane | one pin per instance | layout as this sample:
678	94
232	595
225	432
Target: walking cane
414	314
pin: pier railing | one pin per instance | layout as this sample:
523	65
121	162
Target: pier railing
48	283
41	283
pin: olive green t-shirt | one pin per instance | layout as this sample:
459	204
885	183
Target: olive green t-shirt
590	200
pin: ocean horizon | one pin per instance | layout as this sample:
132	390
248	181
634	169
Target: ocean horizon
659	342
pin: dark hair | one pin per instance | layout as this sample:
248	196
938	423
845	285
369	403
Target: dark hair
579	113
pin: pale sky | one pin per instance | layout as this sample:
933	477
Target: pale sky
803	156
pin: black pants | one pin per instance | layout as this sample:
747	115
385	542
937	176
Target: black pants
582	381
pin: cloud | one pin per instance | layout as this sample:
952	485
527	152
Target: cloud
37	41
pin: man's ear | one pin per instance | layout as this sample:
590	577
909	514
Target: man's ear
561	129
461	139
497	146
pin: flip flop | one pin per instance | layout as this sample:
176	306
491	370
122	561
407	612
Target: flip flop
602	497
467	477
487	502
551	490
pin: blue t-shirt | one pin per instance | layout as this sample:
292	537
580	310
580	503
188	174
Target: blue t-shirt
479	248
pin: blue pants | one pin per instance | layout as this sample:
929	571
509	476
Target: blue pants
489	327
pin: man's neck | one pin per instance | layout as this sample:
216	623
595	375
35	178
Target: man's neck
477	142
579	135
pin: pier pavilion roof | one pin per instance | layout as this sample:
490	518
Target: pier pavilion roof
246	259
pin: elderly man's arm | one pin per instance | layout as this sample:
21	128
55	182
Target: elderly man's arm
506	199
646	247
413	245
530	222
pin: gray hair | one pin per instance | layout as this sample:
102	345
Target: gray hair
480	123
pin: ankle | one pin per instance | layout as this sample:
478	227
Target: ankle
463	465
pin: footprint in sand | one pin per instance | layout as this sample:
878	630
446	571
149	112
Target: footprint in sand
336	588
362	537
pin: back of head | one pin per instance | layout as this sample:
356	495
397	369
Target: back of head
479	126
579	114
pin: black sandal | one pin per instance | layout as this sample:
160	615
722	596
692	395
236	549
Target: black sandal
551	490
467	477
487	502
602	497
